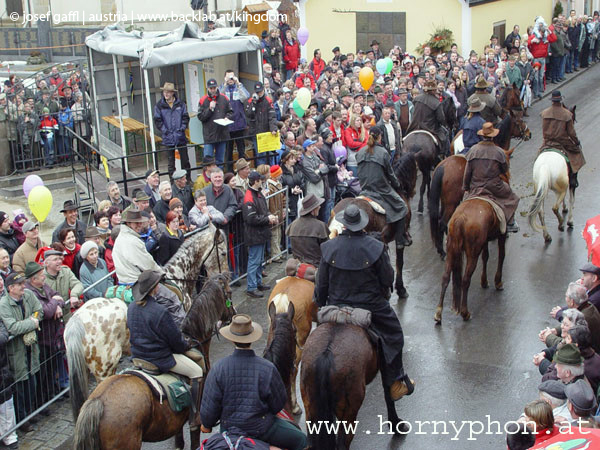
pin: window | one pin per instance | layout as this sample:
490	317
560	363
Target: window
14	6
500	32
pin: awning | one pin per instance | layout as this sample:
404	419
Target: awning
165	48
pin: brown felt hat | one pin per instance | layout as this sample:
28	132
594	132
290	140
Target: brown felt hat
146	282
242	330
310	203
488	130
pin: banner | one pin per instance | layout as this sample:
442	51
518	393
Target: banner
267	142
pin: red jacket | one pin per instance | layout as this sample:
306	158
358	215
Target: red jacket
291	54
300	81
336	137
317	67
540	50
353	140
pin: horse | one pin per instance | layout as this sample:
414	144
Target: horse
405	168
550	171
446	184
281	343
122	411
299	293
96	335
424	147
338	362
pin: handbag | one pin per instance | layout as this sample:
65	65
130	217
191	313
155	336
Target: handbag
299	203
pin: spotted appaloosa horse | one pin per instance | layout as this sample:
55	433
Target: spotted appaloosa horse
96	335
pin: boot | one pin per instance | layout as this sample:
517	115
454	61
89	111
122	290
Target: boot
197	388
402	387
512	227
403	238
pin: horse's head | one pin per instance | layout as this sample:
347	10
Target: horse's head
223	280
519	128
281	313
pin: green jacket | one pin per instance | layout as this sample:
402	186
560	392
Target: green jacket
17	325
67	285
514	76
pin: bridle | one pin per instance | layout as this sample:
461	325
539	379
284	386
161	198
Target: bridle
214	246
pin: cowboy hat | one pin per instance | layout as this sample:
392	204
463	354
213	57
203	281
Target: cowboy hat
240	164
168	87
481	83
69	205
242	330
353	218
488	130
310	203
430	85
146	282
475	105
133	216
556	96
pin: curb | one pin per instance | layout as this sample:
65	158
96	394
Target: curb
548	91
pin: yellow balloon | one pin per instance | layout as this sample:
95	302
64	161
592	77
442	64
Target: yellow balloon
303	96
40	202
366	77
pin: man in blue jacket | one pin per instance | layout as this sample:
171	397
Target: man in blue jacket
171	118
237	95
473	124
246	391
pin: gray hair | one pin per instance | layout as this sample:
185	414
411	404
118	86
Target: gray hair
199	193
163	185
554	402
216	170
576	317
111	184
581	336
576	371
577	293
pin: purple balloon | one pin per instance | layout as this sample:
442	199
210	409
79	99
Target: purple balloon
338	151
302	35
30	182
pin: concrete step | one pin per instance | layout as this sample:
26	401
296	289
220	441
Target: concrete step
17	189
55	173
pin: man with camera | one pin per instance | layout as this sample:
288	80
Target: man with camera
237	95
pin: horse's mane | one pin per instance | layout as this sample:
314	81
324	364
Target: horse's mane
281	350
206	310
405	168
183	252
449	112
504	130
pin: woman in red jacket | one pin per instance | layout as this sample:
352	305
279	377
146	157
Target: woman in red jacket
356	138
291	54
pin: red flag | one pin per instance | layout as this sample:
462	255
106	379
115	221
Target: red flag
591	234
571	438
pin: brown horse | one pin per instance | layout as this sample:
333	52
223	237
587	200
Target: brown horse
338	362
472	226
122	412
405	168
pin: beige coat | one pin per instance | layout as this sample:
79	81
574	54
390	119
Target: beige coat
24	254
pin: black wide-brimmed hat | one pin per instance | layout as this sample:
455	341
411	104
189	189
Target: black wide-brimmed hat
353	218
310	203
69	205
145	283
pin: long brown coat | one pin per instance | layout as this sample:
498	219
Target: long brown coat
559	133
485	163
428	115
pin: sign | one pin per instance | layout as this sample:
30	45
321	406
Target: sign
267	142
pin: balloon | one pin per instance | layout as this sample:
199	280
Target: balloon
390	64
302	35
297	108
30	182
339	150
40	202
381	66
303	96
366	77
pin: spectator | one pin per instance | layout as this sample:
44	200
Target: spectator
518	436
293	179
538	43
257	232
60	278
172	119
67	238
314	170
64	139
404	110
70	211
28	250
201	214
170	241
237	95
581	402
221	196
553	393
48	129
553	338
5	269
214	106
108	246
261	117
93	269
514	73
55	79
141	201
242	169
569	364
151	187
176	206
514	34
573	33
46	102
21	313
328	155
203	180
356	138
291	54
392	136
102	222
274	44
539	413
162	206
115	197
276	203
229	180
7	406
317	65
181	190
8	239
104	206
17	225
114	216
590	279
50	331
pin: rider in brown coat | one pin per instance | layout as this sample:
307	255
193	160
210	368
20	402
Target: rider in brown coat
485	163
492	110
559	133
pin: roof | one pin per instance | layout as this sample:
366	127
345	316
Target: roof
162	48
259	7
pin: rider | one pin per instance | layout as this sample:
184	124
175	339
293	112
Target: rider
492	110
473	124
307	232
155	337
378	182
559	133
355	270
428	115
485	163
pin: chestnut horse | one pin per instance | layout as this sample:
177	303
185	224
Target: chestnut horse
122	412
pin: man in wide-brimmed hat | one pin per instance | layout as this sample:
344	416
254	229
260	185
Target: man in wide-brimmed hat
559	133
71	212
428	115
492	109
227	387
172	119
473	124
485	163
355	270
307	232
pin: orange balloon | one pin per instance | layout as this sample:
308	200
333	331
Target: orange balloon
366	77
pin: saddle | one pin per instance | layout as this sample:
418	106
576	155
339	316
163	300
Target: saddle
376	206
163	385
435	140
121	292
497	210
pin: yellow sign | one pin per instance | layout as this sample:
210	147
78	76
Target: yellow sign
268	142
105	164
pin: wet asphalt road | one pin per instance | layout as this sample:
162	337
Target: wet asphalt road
467	371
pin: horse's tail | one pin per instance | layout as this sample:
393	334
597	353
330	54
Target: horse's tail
454	250
325	401
542	181
78	371
435	223
87	428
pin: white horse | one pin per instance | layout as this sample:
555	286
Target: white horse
550	171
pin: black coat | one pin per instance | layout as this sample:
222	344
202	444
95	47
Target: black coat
243	391
260	115
211	131
168	245
328	157
172	122
80	228
257	229
290	180
154	336
594	297
9	242
160	210
6	376
185	195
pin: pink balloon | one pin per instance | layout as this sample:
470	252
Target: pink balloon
302	35
30	182
339	151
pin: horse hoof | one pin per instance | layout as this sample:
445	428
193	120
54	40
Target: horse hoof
561	228
402	293
570	224
499	286
485	285
548	239
565	210
401	427
438	316
466	316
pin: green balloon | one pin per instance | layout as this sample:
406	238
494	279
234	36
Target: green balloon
390	64
297	108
